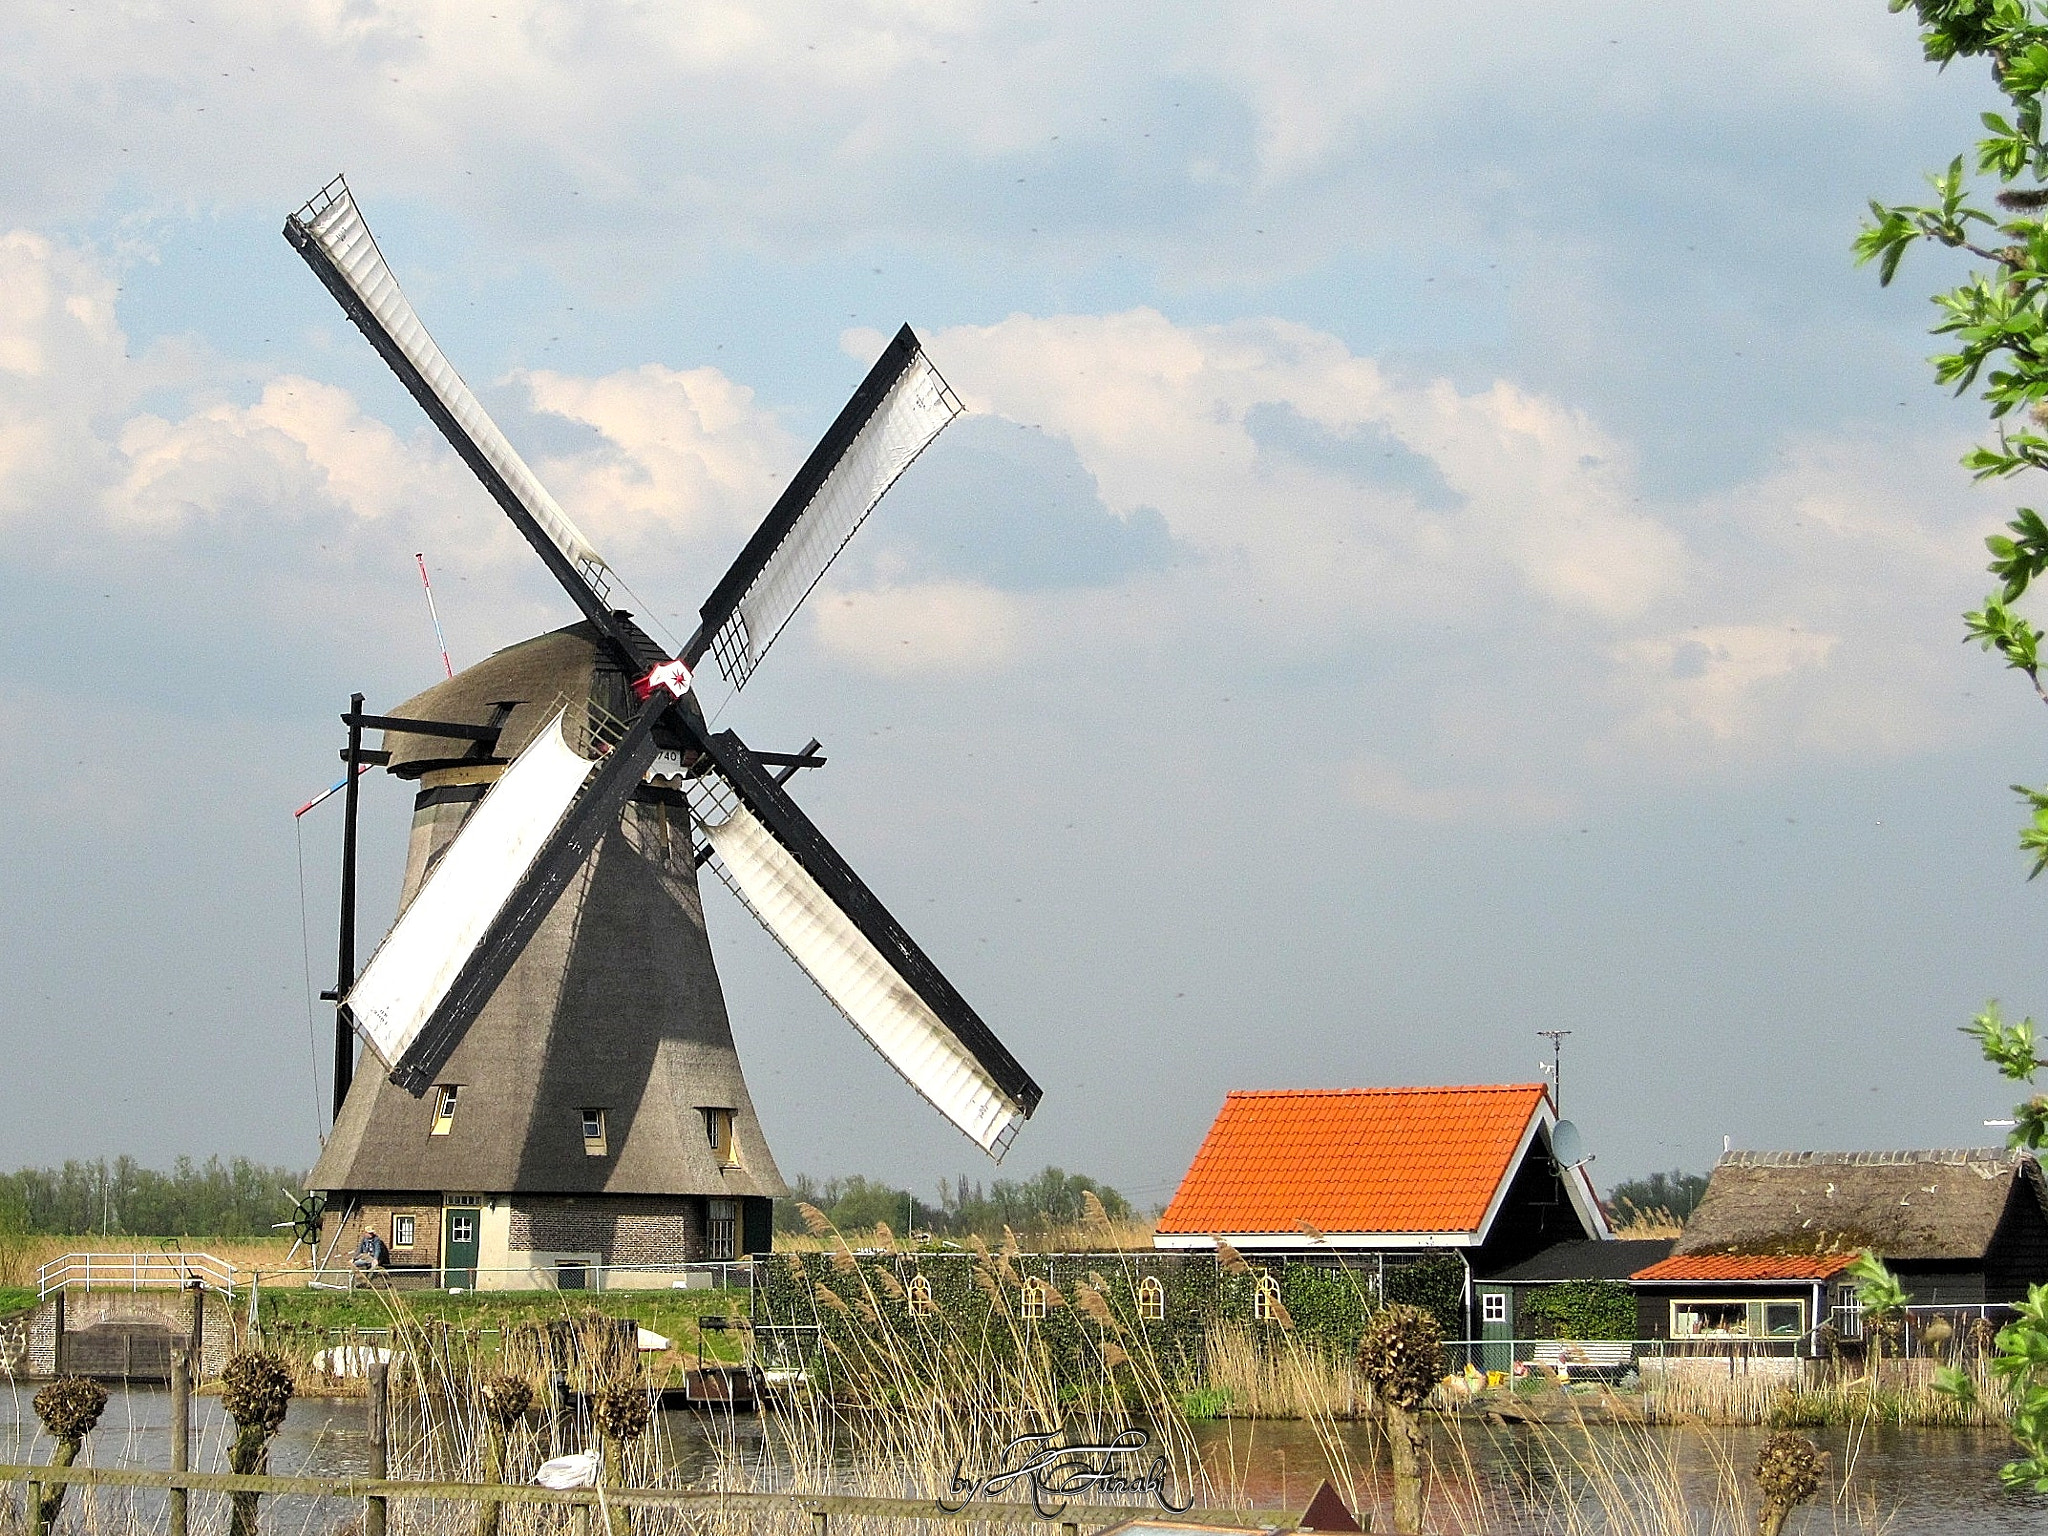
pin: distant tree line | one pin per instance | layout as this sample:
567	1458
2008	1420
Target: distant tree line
1050	1198
237	1198
1675	1192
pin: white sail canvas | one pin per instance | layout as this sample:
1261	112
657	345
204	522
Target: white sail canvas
860	982
434	937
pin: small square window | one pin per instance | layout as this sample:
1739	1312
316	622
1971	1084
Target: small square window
1493	1307
444	1108
403	1229
1266	1305
1032	1308
594	1143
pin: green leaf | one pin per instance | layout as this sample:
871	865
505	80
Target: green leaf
2009	1047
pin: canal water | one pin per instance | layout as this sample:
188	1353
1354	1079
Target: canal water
1901	1482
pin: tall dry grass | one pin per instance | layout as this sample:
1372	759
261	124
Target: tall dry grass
1899	1392
1655	1222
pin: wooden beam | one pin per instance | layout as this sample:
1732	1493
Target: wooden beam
675	1498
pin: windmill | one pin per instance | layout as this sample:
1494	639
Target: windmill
545	1007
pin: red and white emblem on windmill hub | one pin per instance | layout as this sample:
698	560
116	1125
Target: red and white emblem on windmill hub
672	675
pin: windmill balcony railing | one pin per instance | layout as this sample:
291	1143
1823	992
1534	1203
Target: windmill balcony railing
135	1272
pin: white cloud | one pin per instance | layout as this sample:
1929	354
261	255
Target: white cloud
302	445
1537	602
1713	679
929	627
1162	415
688	451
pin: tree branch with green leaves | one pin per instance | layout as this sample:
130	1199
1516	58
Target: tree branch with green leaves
1995	325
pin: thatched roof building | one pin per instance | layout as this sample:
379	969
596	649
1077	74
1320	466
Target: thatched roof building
1959	1226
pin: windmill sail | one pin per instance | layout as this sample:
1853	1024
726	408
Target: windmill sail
899	408
331	234
420	959
794	882
566	847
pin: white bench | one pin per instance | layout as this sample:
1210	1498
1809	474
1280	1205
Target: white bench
1583	1354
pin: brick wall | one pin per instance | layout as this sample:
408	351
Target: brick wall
374	1214
620	1229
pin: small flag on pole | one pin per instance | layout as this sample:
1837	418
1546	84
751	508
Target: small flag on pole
435	614
361	769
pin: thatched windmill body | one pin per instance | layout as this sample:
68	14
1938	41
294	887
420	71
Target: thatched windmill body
559	1086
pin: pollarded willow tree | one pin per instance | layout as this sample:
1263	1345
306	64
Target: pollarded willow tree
1993	205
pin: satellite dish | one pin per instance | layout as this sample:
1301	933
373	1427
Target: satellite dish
1567	1146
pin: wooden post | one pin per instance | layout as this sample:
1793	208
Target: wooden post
181	1430
196	1331
380	1441
345	958
57	1335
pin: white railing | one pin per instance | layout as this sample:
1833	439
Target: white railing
554	1275
135	1272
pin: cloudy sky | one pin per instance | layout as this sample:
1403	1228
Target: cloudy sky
1445	545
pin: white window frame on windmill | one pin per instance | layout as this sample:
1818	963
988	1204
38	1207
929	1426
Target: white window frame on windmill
720	1126
445	1098
404	1230
595	1141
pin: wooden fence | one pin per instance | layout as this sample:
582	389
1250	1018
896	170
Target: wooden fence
1070	1517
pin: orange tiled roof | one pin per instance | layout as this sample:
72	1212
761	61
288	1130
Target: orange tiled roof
1353	1160
1745	1266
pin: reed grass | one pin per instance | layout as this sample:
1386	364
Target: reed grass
1132	1234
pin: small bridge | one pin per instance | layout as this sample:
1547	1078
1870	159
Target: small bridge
121	1316
163	1270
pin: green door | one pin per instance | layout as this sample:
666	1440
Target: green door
1496	1328
459	1246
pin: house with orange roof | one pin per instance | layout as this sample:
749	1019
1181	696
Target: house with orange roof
1368	1177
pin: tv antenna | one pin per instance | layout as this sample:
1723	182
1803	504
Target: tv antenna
1556	1039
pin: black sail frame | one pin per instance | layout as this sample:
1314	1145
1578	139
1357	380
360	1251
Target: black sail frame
756	788
586	596
723	604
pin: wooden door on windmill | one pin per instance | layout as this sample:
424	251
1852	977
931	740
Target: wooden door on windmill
460	1244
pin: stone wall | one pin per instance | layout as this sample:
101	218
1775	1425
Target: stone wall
28	1344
